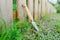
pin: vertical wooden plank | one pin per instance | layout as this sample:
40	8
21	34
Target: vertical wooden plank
2	8
20	10
35	9
43	7
9	8
30	6
6	10
39	8
47	7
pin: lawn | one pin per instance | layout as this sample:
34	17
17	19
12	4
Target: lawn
49	30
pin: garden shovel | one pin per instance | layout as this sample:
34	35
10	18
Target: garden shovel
30	16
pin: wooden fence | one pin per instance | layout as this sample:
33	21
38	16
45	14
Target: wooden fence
6	11
37	9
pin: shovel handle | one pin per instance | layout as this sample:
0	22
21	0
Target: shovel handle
30	16
28	12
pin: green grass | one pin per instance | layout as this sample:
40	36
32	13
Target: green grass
25	31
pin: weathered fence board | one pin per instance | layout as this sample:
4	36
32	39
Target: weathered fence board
39	9
30	6
20	10
35	9
47	8
6	10
43	7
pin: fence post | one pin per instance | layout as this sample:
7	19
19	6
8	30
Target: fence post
20	10
6	10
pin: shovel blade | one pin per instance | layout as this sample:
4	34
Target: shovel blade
35	26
